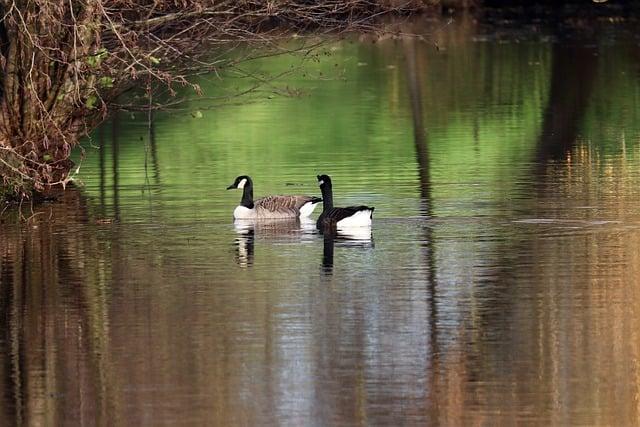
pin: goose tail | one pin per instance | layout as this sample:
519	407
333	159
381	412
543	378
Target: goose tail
308	207
361	218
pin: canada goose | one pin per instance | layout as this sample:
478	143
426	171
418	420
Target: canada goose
340	218
270	206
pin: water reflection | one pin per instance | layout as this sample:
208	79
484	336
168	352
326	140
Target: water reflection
244	246
415	74
568	99
271	233
268	231
414	77
54	344
356	237
115	156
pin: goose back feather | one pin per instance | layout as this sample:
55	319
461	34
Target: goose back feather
281	202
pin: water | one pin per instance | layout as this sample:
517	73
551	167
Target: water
499	284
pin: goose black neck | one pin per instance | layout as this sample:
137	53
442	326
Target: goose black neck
247	195
327	197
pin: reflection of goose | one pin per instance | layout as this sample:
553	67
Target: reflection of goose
358	239
340	218
270	206
244	248
274	230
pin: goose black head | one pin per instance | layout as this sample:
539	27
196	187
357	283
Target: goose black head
240	182
324	181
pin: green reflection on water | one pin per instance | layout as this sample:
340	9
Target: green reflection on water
482	103
354	123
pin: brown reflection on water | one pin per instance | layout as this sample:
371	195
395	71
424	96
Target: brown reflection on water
415	72
101	325
54	350
570	351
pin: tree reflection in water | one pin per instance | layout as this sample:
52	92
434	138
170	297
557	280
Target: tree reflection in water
54	351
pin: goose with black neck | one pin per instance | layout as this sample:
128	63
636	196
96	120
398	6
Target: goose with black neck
335	218
270	207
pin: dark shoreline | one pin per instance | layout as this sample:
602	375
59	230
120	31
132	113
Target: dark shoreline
545	10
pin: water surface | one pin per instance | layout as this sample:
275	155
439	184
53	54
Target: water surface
499	284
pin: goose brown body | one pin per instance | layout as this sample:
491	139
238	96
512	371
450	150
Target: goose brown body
271	207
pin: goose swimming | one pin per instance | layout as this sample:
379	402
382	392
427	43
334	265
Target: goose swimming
270	207
340	218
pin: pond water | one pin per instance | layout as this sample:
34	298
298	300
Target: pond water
499	285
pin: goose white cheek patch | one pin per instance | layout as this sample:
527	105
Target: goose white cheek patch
242	183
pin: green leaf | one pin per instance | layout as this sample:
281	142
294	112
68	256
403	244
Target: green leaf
96	59
47	157
197	114
106	82
90	103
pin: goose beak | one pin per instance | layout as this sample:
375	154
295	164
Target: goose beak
231	187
